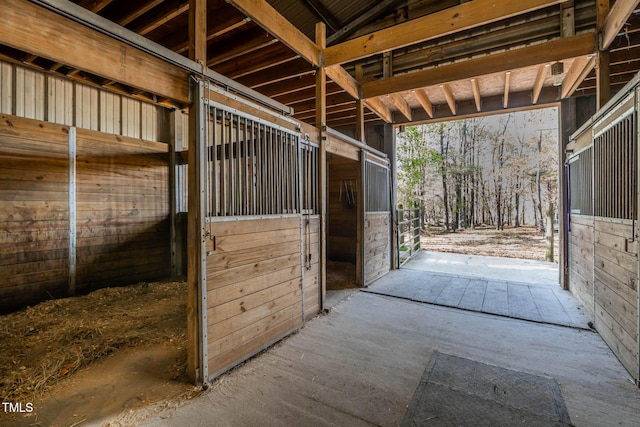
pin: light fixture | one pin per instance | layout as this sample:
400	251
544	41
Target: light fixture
557	70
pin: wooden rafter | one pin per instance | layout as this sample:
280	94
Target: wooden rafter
465	16
362	19
340	76
270	19
569	47
424	100
94	6
618	15
245	44
324	14
402	105
166	13
375	105
140	10
507	85
537	87
476	93
451	100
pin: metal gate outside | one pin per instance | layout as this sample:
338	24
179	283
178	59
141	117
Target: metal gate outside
407	234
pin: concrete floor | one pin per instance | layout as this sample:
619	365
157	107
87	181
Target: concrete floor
361	364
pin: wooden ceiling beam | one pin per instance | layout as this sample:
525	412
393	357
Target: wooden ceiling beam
518	101
401	105
537	86
475	87
28	27
273	22
451	100
424	101
261	60
556	50
340	76
618	16
465	16
507	85
579	70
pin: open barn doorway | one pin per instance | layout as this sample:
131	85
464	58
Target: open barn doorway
486	185
487	192
343	262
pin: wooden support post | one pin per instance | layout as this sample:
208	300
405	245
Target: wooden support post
390	150
360	135
72	210
603	66
568	125
361	221
196	257
321	122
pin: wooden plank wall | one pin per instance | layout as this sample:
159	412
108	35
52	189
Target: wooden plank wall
34	211
581	260
616	281
311	251
342	218
254	287
377	255
122	210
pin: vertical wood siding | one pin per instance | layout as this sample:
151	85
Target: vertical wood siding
254	287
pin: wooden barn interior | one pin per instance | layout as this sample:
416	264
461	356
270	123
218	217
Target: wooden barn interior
246	144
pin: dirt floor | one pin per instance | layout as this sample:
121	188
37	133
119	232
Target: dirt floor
85	359
521	242
341	275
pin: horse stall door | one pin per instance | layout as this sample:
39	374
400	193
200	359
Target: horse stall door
254	236
377	219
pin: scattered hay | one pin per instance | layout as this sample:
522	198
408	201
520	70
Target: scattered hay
341	275
48	342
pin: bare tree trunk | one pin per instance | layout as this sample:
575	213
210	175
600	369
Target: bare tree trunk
445	193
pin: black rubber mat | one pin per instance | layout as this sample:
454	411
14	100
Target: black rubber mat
455	391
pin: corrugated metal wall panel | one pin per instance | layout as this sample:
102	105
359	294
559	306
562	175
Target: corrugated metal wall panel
36	95
131	117
149	122
30	94
6	88
87	107
59	101
110	113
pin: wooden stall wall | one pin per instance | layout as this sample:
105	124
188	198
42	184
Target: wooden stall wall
581	260
122	210
254	286
342	212
616	281
377	247
34	211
